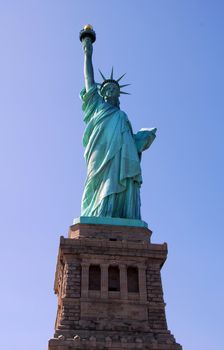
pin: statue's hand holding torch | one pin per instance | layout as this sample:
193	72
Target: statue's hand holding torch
87	46
87	36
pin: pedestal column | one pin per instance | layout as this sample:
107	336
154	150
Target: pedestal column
142	282
85	280
123	281
104	280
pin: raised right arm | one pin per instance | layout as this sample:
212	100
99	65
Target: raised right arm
88	65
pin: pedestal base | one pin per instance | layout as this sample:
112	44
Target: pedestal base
110	291
93	343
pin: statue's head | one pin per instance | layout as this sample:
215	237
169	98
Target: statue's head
111	90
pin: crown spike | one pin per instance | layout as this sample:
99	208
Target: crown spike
125	93
121	86
120	77
112	73
102	75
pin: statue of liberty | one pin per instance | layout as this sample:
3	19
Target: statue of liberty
112	151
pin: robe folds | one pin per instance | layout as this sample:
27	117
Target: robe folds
112	187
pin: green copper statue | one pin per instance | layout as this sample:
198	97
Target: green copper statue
112	151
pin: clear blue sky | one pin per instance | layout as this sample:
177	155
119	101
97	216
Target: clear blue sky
173	54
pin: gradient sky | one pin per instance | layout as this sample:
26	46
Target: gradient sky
173	54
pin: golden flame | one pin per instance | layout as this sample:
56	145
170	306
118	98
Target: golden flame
88	27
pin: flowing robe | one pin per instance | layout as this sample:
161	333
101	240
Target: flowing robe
112	187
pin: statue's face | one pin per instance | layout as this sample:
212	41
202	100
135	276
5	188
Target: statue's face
111	93
111	90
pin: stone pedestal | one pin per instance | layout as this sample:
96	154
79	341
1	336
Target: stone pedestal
109	290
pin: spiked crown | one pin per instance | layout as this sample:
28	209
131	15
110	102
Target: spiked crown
113	81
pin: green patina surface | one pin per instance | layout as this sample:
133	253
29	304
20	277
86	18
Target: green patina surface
109	221
112	151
